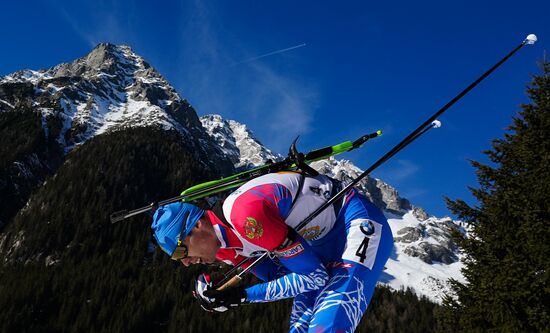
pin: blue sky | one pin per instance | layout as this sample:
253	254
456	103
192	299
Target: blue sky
364	66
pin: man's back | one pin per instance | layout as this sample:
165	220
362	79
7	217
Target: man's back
280	198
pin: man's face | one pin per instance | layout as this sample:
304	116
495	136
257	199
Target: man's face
202	244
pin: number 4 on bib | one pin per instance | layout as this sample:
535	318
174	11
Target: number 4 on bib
362	250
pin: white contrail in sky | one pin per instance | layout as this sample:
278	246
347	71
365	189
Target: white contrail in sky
270	53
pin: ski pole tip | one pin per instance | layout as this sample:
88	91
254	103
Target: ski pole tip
379	132
530	39
436	124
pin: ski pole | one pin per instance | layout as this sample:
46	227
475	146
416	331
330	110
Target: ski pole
420	130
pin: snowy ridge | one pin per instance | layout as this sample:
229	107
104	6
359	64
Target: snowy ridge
237	142
424	257
26	75
381	194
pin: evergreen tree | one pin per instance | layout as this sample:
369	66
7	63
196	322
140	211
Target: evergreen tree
507	261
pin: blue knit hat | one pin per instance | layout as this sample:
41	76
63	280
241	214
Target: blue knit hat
174	222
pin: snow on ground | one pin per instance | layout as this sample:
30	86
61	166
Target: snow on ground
403	270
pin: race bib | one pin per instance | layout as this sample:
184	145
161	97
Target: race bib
362	242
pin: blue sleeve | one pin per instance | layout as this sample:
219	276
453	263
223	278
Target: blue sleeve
269	270
306	273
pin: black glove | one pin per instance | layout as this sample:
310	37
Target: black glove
227	297
204	283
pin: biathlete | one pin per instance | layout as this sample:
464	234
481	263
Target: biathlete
330	267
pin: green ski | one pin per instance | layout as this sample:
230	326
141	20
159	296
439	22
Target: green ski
295	161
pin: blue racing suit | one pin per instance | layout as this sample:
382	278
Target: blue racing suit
330	267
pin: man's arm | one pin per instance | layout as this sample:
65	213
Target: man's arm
306	273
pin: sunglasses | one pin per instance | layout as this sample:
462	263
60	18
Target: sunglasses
181	252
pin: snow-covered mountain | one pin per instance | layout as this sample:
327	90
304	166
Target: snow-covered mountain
110	88
424	255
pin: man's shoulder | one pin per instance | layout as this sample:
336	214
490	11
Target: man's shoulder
258	221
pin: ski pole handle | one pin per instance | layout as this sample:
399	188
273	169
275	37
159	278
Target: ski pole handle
237	278
231	283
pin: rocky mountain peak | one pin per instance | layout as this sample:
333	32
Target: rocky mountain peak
110	88
104	58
